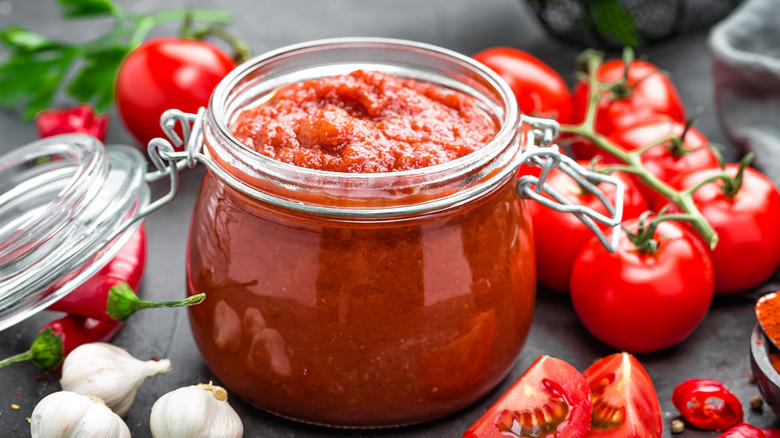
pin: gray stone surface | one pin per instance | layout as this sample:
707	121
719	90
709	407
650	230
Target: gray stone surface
717	349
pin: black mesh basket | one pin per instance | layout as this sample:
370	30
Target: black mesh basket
614	24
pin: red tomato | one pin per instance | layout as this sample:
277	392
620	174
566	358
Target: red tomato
165	73
641	302
748	250
649	92
744	430
559	236
660	160
551	400
625	404
707	404
540	90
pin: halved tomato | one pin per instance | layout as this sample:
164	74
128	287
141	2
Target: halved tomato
625	404
551	400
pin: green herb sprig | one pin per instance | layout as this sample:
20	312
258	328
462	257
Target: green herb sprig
36	68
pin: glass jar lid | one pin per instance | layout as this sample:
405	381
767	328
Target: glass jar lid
67	205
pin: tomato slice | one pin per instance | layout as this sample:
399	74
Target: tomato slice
744	430
550	400
707	404
625	404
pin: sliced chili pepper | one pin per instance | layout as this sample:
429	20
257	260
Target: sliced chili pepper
744	430
59	337
707	404
80	118
108	295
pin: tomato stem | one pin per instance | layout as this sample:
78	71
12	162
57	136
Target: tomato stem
632	162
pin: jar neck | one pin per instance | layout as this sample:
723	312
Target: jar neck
362	194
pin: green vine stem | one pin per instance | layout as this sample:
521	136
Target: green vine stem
632	162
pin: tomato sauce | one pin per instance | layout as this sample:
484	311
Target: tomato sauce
361	322
364	122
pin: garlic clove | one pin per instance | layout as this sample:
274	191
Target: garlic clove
199	411
69	415
108	372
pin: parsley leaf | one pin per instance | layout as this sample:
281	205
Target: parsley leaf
31	74
94	83
87	8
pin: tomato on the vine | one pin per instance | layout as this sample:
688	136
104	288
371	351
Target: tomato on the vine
540	90
166	73
550	400
748	250
559	236
669	159
642	301
707	404
647	91
625	404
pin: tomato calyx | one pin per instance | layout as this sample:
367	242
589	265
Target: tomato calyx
731	186
676	144
644	238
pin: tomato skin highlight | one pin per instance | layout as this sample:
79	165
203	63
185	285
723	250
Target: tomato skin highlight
707	404
622	389
638	302
558	236
549	387
540	90
748	250
166	73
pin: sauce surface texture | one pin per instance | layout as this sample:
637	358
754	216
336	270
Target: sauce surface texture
364	122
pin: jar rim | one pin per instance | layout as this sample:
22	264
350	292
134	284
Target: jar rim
406	57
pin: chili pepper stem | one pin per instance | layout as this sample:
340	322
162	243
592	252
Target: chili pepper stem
632	160
21	357
123	302
46	352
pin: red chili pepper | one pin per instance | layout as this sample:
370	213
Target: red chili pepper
744	430
59	337
127	266
707	404
80	118
108	295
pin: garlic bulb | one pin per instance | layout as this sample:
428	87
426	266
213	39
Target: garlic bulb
200	411
69	415
108	372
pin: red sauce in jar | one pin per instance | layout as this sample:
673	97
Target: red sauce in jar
364	122
362	322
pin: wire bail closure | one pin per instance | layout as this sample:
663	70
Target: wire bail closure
547	156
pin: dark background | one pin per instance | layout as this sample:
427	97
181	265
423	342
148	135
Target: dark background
718	348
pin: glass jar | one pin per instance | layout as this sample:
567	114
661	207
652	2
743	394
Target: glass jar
67	206
362	300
